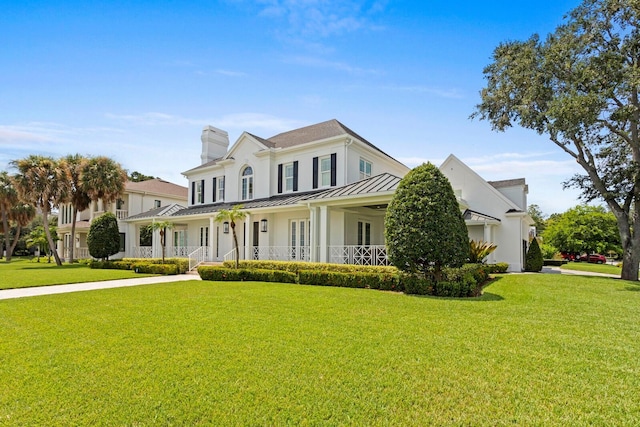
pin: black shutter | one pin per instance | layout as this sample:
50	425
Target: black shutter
215	188
193	193
280	178
315	172
334	169
224	186
295	176
202	190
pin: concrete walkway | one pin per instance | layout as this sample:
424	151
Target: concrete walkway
90	286
558	270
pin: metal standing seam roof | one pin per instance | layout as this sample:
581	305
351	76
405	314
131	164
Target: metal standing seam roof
470	215
167	210
376	184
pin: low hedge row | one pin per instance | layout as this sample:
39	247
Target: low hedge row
221	274
554	262
138	266
466	281
182	264
296	266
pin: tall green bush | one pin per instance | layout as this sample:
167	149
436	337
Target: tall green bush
533	260
104	237
424	228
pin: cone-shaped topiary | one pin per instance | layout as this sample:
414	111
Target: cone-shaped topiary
104	237
424	228
533	260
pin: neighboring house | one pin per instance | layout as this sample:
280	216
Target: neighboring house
318	193
137	197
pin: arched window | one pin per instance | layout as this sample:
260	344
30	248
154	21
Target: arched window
247	183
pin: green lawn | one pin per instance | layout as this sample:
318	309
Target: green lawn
534	350
595	268
24	272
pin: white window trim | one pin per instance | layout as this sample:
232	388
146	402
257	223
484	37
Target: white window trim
322	173
288	180
362	167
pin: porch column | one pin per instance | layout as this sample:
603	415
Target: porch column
247	237
211	237
131	240
313	234
487	236
324	240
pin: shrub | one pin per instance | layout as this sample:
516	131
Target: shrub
500	267
103	239
182	264
295	266
150	268
424	229
466	281
533	260
554	262
549	251
479	250
349	280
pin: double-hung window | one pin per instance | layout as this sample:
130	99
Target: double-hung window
200	192
220	188
288	177
365	169
325	171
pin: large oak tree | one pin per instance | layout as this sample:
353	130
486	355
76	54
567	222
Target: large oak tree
580	87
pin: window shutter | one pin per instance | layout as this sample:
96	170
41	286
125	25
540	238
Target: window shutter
215	188
334	170
315	172
295	176
280	178
193	193
203	193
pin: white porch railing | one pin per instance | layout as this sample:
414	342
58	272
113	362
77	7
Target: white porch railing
282	253
186	251
78	253
230	256
121	213
198	256
142	252
359	255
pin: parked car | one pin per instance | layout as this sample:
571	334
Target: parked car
594	258
570	256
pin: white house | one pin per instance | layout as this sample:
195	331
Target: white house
138	197
318	193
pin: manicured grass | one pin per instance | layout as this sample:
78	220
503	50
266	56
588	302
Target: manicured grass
534	350
595	268
24	272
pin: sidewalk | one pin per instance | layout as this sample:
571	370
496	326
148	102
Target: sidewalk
90	286
558	270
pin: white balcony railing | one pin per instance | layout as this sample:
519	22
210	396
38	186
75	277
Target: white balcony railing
78	253
122	213
358	255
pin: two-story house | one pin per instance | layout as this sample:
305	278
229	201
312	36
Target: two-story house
137	197
318	193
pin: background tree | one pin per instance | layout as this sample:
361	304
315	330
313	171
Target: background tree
162	226
584	229
538	218
44	183
580	88
102	179
8	199
424	229
103	239
139	177
20	216
533	261
38	238
235	214
78	197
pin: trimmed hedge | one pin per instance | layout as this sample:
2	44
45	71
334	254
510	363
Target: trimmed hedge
384	281
221	274
296	266
500	267
182	264
138	265
554	262
466	281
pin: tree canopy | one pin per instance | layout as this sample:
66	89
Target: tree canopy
136	176
584	229
104	237
580	87
424	229
232	215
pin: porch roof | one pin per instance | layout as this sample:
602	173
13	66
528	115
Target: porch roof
470	215
269	202
161	211
384	182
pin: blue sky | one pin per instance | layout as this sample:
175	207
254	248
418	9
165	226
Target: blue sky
137	81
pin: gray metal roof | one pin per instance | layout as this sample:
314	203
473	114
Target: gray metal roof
470	215
161	211
274	201
376	184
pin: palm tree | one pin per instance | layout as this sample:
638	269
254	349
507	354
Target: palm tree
44	183
163	226
102	178
8	198
79	198
21	214
233	215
